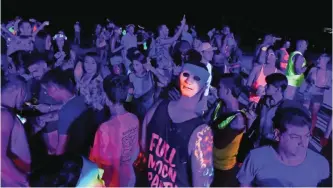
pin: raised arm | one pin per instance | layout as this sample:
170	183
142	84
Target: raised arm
40	28
161	78
176	36
252	76
16	28
201	152
4	29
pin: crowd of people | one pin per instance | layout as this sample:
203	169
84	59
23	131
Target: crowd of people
165	111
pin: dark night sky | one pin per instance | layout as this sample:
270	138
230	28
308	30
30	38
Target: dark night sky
295	19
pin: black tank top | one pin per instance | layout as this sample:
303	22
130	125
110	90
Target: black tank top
169	164
116	45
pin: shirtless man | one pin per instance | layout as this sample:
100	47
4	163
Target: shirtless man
15	154
177	142
295	69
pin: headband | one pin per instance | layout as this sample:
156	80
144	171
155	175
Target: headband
59	35
116	60
198	71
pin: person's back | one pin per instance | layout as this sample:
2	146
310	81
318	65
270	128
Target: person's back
116	141
116	146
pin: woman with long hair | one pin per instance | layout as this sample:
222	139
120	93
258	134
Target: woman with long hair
258	74
89	82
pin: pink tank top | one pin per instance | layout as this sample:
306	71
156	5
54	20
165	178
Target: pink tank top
259	84
284	63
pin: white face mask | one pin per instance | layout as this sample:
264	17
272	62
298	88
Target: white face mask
192	78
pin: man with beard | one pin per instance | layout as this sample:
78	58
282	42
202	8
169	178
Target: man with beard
40	101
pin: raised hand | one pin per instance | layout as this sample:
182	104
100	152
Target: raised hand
32	20
46	23
78	71
183	22
148	65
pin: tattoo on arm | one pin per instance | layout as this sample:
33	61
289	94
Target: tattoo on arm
202	158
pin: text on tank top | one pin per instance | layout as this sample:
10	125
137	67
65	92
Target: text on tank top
169	164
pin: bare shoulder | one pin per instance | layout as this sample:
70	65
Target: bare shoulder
298	58
257	67
238	123
151	111
146	121
313	69
6	119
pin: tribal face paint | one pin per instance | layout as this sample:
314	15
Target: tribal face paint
192	79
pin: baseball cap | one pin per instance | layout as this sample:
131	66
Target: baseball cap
205	46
